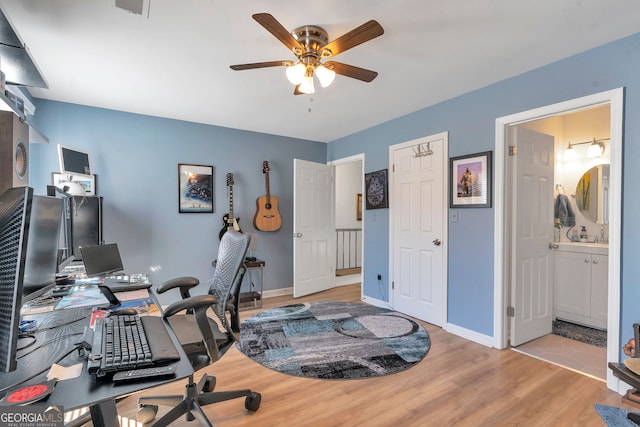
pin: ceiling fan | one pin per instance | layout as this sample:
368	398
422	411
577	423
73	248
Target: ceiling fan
311	46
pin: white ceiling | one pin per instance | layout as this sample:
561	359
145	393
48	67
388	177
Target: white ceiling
175	62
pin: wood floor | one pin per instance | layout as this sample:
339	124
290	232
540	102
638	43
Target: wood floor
458	383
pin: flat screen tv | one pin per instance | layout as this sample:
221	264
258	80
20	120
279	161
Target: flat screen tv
41	263
65	245
74	162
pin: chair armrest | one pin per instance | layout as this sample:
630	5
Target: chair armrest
184	283
195	303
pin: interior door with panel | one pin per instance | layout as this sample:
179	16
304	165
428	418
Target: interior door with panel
313	228
418	204
532	226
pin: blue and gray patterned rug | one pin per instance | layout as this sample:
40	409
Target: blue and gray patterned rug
333	340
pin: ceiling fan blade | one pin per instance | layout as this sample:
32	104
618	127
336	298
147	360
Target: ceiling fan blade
351	71
272	25
240	67
365	32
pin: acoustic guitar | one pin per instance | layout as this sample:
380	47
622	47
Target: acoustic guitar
230	222
267	217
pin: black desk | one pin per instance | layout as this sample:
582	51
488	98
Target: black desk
84	390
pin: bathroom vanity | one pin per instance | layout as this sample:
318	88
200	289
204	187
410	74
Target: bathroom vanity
581	283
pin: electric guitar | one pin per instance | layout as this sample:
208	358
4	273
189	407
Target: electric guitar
229	221
267	217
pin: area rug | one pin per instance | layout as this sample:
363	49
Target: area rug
333	340
580	333
614	417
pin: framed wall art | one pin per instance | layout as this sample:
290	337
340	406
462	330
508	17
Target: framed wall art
376	187
471	181
87	182
195	188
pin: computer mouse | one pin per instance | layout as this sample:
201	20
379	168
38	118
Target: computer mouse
123	312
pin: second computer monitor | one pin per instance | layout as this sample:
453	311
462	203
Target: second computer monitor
101	260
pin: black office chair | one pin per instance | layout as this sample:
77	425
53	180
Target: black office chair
204	340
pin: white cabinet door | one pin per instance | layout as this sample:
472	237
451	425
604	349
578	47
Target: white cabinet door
572	284
599	286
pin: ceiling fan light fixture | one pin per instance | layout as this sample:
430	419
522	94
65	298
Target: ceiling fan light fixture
325	75
306	86
296	73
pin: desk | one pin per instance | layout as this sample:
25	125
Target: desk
250	299
85	390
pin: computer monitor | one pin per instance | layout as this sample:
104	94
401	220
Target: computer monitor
15	208
41	263
65	245
73	161
101	260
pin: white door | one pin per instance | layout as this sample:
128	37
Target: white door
313	228
532	232
418	206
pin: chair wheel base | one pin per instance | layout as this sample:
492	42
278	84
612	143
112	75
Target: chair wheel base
210	384
252	402
146	413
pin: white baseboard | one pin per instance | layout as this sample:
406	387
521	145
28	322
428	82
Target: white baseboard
348	280
469	335
277	292
376	302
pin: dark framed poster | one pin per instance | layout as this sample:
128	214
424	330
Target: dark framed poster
377	190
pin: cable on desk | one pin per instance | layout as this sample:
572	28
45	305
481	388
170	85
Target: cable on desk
45	343
9	387
24	336
33	331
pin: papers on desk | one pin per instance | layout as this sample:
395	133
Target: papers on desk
79	296
62	373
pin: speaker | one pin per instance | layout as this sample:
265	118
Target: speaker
14	152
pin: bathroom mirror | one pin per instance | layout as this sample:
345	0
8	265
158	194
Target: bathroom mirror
592	194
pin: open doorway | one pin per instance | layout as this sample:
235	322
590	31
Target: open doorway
576	335
503	270
349	239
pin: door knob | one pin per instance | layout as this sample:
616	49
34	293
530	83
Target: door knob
553	246
437	242
297	234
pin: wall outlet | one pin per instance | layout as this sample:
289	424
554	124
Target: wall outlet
379	276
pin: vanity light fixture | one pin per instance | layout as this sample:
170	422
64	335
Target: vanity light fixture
596	149
569	154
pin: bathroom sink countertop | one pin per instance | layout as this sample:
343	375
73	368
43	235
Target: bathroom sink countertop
591	248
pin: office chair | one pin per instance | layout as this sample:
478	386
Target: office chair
204	340
230	301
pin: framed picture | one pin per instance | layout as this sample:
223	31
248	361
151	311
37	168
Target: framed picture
471	181
359	207
88	183
376	187
195	188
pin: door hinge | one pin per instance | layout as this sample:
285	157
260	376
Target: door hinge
511	312
513	150
393	285
393	167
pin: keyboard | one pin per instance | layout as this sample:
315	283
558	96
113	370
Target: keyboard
122	343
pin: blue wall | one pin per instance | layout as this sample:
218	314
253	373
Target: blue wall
136	160
470	121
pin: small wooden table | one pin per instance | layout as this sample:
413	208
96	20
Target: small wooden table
252	298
